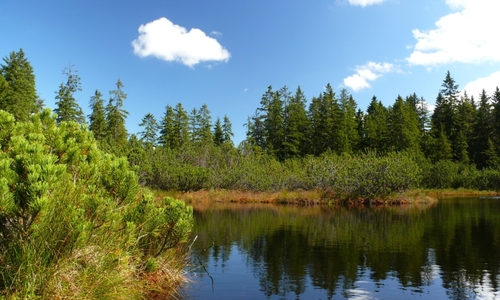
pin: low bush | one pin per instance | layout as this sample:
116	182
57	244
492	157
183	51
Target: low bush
74	221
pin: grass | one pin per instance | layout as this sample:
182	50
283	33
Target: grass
311	197
315	197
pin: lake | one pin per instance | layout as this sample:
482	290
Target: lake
445	250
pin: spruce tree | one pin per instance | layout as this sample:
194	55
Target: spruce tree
181	127
167	129
331	116
17	86
465	117
194	126
115	117
271	111
218	134
149	136
97	118
227	131
296	125
376	129
4	86
324	117
439	147
316	143
483	133
404	128
495	99
67	108
255	131
348	137
205	122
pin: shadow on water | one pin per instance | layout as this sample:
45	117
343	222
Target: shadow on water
449	250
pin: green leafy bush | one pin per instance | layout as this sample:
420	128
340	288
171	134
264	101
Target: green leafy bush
74	221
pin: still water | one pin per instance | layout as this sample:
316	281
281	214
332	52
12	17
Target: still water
446	250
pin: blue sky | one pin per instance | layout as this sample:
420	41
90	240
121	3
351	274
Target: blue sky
226	53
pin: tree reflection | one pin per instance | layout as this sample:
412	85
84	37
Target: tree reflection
291	250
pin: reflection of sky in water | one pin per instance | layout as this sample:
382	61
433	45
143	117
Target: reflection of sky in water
233	279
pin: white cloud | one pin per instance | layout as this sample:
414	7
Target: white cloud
366	73
467	35
489	83
364	3
165	40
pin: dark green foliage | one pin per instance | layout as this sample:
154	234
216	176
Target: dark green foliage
166	138
227	130
115	119
67	108
150	133
97	119
376	130
403	126
482	147
180	135
296	126
348	138
17	86
324	115
200	125
218	134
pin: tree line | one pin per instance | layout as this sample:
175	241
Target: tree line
291	143
18	96
459	129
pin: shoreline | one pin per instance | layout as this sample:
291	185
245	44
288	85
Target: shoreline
316	197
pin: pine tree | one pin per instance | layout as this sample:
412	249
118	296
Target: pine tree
482	144
181	127
272	120
317	144
255	131
115	117
218	134
348	137
97	118
464	120
205	122
439	147
167	129
227	130
150	134
404	128
194	125
296	126
492	160
495	99
360	128
4	89
420	107
331	118
67	108
376	126
324	115
17	86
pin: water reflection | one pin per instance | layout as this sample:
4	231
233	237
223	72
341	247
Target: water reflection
449	250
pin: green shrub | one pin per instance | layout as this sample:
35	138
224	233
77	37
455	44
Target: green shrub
74	221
